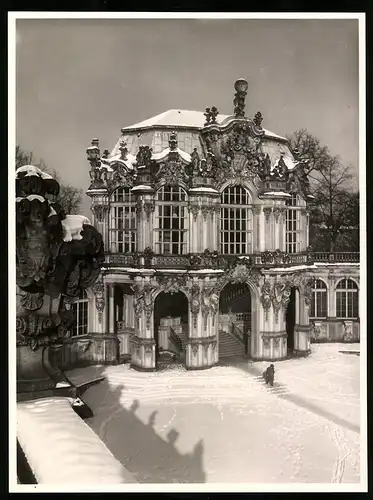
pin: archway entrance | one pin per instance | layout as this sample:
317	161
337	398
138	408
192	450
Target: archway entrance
235	319
170	328
290	319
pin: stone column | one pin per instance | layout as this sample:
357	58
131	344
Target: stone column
111	309
143	348
267	232
270	343
202	348
302	340
256	228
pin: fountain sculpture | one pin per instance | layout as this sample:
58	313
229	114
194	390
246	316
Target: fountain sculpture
58	255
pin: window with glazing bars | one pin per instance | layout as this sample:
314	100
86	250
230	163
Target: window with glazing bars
123	221
292	225
80	310
171	221
347	299
236	221
319	304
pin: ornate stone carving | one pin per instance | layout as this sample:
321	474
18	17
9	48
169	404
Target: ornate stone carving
308	290
348	331
149	207
266	297
256	209
266	342
100	211
267	212
310	259
144	156
284	341
277	257
277	296
211	114
276	343
195	303
56	255
194	209
31	301
277	211
195	349
240	87
99	292
83	345
172	284
258	118
206	349
148	255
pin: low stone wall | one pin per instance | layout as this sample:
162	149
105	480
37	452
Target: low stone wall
60	448
86	350
335	330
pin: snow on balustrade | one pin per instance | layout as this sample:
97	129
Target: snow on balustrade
61	448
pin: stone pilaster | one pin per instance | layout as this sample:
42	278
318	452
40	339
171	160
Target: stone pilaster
143	343
202	348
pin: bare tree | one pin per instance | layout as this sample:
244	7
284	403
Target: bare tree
70	197
334	212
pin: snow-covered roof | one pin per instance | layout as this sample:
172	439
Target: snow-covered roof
163	154
131	159
185	118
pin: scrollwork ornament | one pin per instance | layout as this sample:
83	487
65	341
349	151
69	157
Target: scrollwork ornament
267	212
265	298
195	303
194	209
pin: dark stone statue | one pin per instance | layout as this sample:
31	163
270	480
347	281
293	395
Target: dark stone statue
58	255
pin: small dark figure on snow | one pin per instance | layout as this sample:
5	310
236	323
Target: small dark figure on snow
269	375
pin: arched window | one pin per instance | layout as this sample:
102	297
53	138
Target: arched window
123	221
293	224
171	221
236	233
347	299
319	304
80	310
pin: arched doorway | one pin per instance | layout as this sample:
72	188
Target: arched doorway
290	319
170	328
235	320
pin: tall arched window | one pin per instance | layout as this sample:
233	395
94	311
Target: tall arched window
293	224
123	221
347	299
171	221
236	233
80	310
319	304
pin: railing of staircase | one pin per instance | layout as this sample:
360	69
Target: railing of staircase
176	339
238	333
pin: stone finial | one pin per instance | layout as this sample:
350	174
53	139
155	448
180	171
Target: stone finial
241	87
258	118
211	114
93	152
123	150
173	141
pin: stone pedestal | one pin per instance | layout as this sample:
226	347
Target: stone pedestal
32	376
201	353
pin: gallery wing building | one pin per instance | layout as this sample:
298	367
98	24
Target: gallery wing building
205	225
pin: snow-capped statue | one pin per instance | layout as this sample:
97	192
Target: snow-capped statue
57	255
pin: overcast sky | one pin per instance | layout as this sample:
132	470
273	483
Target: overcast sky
79	79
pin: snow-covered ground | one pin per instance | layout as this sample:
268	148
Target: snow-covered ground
224	425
